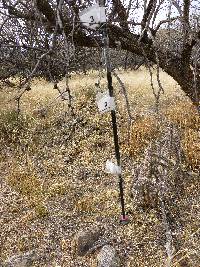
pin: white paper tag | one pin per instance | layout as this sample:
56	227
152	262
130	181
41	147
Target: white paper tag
112	168
102	14
105	103
64	96
93	16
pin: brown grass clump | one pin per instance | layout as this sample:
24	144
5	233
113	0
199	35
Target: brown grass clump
57	189
185	116
95	204
13	127
143	130
24	181
191	146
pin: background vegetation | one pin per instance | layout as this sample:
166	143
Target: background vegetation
53	181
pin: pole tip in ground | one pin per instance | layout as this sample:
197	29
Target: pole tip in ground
124	220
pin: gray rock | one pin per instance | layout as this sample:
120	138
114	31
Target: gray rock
84	240
21	260
108	257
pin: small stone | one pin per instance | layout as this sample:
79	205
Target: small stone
108	257
85	239
22	260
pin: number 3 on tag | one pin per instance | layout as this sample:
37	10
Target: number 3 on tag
93	16
92	20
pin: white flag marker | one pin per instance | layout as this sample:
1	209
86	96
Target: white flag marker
112	168
93	16
105	103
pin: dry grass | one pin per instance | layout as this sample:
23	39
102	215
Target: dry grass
185	116
57	178
191	146
143	130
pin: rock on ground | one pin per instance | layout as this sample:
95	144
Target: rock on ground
108	257
22	260
85	239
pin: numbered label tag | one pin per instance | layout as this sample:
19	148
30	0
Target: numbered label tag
112	168
93	16
105	103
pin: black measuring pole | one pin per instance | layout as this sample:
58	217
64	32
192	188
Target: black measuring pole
114	119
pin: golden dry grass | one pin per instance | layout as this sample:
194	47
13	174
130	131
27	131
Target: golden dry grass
23	131
185	116
175	107
143	130
191	146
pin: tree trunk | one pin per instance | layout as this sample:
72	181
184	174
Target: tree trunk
175	66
